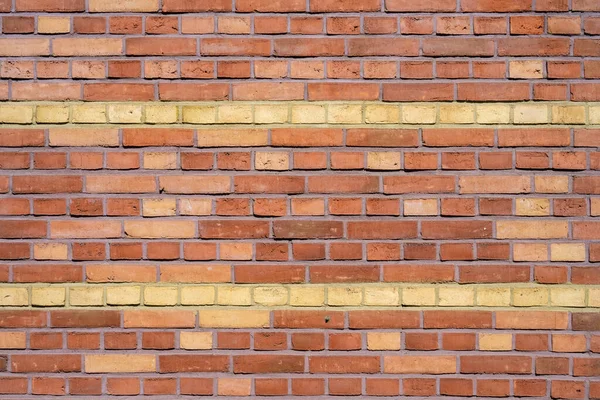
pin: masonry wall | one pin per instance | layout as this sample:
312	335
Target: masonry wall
300	198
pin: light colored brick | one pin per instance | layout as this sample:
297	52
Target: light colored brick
48	296
123	295
595	206
381	296
161	114
50	251
383	341
158	207
530	252
89	113
382	114
84	137
531	114
12	296
309	114
124	114
232	138
195	340
567	297
234	387
234	318
160	160
551	184
195	206
530	297
54	114
527	69
197	295
271	114
307	296
123	6
493	113
271	161
236	251
593	297
199	114
457	113
493	296
456	296
234	296
344	114
567	252
53	24
235	114
532	207
344	296
594	114
421	207
531	229
160	296
270	296
86	296
13	340
156	229
119	363
568	114
383	160
16	113
569	343
419	114
418	296
495	341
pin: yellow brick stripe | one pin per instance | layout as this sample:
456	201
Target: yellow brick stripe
307	295
301	113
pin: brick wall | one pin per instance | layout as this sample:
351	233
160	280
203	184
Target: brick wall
300	197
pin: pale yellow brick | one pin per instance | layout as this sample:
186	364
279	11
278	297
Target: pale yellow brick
54	114
119	363
383	160
160	160
123	295
271	296
234	296
381	296
382	114
567	296
419	114
53	24
232	138
456	296
16	114
86	296
421	207
161	114
551	184
531	229
530	252
594	114
89	113
271	161
418	296
308	206
493	296
568	114
271	114
457	113
48	296
307	296
12	296
195	340
525	114
13	340
595	206
158	207
195	206
344	114
383	341
199	114
197	295
160	296
50	251
125	113
493	114
567	252
236	251
309	114
532	207
234	318
527	69
84	137
235	114
593	297
495	341
344	296
530	297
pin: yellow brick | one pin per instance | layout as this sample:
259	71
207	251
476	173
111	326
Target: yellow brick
52	114
123	295
383	341
84	137
308	114
271	114
234	318
594	114
568	114
569	343
160	296
48	296
16	114
495	341
344	114
593	297
381	296
199	114
119	363
234	296
158	207
232	138
530	252
382	114
271	161
531	229
344	296
195	340
161	114
531	207
567	252
493	114
383	160
307	296
86	296
418	296
195	206
531	114
54	24
13	340
529	69
529	297
125	113
421	207
156	229
567	297
270	296
493	296
457	114
235	114
419	114
160	160
552	184
595	207
50	251
456	296
13	297
89	113
304	206
197	295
